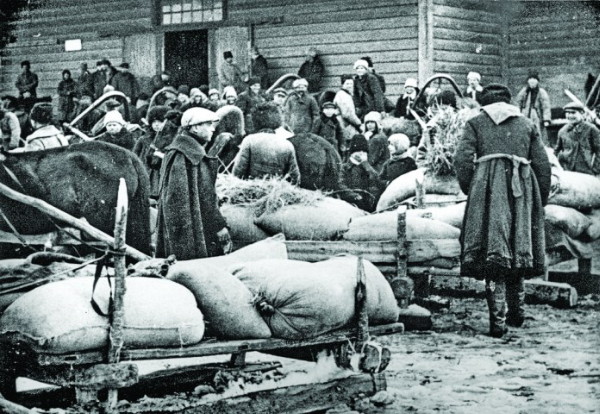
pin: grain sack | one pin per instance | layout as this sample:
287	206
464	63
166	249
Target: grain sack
576	190
567	219
383	226
58	317
405	187
240	220
593	231
325	220
304	300
452	214
225	302
270	248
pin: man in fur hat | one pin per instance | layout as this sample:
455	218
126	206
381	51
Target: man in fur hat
267	154
189	223
367	90
45	135
230	73
312	69
502	166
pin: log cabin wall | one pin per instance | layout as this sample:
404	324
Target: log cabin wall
559	39
341	30
468	36
104	27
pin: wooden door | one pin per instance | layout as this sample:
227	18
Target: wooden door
186	57
235	39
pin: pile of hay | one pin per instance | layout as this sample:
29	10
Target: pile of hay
439	158
264	195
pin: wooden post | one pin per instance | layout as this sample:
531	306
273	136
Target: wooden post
67	218
420	192
115	333
362	333
425	40
402	285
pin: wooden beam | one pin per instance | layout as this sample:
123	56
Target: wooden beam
425	40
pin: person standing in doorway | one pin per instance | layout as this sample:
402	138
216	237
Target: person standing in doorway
230	73
259	67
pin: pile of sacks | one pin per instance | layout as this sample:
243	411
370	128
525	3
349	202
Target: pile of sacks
255	292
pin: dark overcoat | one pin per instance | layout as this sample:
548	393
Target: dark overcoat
188	211
503	226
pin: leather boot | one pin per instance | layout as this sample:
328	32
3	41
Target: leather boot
515	298
495	292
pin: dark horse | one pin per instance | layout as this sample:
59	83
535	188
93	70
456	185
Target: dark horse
82	180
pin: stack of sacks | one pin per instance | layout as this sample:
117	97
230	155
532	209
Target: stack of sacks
574	204
58	317
227	304
300	300
256	209
405	187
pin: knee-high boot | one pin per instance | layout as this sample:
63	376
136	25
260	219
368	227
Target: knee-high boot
515	298
495	291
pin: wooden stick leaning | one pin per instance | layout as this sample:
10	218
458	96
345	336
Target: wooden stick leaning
68	219
117	316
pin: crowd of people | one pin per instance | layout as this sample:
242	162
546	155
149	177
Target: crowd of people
176	136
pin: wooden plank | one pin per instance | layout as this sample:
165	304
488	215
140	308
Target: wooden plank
463	12
461	45
451	34
467	57
213	347
314	251
444	22
94	377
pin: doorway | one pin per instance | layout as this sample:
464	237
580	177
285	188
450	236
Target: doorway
186	57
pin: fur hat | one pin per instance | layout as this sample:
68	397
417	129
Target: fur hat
474	75
157	113
533	74
411	82
195	116
328	104
66	71
212	92
227	54
368	60
361	62
114	116
41	112
358	143
401	142
267	116
299	82
494	93
26	63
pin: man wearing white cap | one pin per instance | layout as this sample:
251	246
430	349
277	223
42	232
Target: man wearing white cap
301	110
367	90
190	224
405	102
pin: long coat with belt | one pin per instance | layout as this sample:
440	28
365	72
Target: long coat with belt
188	212
502	165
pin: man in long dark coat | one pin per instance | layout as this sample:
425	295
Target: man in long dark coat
502	165
190	224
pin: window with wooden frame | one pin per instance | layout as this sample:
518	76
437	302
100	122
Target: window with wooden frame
174	12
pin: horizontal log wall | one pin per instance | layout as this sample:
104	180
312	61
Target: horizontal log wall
41	32
342	31
561	40
467	36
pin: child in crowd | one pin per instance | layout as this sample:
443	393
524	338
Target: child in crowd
378	145
116	132
328	127
400	162
357	177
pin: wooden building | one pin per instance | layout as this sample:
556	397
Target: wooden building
405	38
